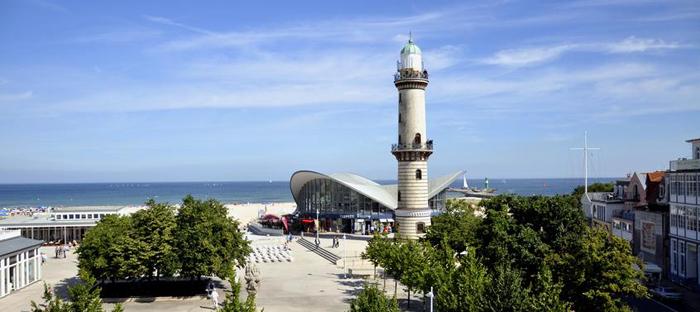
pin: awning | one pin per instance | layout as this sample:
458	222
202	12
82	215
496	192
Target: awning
651	268
383	220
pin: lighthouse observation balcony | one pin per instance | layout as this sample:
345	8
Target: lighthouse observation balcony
427	147
411	79
408	74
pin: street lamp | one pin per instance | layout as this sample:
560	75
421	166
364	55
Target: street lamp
345	256
318	226
431	295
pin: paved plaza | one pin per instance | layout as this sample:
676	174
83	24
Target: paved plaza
309	283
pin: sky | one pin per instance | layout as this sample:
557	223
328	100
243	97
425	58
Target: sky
94	91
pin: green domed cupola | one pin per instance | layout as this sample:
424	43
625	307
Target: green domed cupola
410	48
411	57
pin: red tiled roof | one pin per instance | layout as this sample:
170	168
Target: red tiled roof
655	176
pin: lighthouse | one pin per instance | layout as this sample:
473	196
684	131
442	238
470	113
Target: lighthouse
413	147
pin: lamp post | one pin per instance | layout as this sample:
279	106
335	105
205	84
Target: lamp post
345	256
318	226
431	295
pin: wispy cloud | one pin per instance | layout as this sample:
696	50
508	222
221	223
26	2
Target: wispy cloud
13	97
170	22
527	56
537	55
49	5
120	36
634	44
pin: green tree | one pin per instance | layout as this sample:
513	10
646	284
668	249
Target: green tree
600	273
504	242
51	302
233	302
591	269
460	281
83	297
155	227
376	250
410	265
457	224
109	250
208	241
546	295
595	187
371	299
505	291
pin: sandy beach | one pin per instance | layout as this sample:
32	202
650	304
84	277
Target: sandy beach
250	211
244	213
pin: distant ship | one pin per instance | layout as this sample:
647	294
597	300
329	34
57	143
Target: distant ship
473	191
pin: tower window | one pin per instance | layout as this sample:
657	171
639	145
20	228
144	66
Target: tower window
399	117
417	140
399	197
697	153
399	98
420	227
399	139
419	174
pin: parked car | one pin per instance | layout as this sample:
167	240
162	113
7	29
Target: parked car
668	293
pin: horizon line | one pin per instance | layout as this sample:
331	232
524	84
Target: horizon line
269	181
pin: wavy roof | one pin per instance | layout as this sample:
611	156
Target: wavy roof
383	194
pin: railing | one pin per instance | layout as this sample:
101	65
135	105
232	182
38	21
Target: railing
602	196
411	74
428	146
685	164
624	214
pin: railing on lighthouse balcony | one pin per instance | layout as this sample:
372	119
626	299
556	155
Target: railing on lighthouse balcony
411	74
427	146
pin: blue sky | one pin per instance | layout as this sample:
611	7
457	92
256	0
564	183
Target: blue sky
199	90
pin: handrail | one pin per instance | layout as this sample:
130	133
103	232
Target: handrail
413	146
411	74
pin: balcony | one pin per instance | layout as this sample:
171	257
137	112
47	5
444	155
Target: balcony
428	146
411	75
624	214
685	164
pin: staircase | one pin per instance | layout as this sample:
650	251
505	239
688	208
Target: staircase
325	254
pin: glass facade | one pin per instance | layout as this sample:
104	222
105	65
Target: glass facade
332	198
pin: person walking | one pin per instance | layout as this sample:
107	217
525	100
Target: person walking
215	298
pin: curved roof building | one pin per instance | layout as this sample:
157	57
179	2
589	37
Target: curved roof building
348	202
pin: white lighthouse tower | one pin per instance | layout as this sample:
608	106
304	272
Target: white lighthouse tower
413	147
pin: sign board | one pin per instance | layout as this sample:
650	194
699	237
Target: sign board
648	238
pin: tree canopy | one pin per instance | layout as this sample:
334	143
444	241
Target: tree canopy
526	254
371	299
595	187
200	239
82	297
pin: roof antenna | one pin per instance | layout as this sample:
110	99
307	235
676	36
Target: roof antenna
410	37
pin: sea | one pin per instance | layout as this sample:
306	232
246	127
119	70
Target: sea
106	194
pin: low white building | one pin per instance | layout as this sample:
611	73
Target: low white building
63	224
20	261
601	208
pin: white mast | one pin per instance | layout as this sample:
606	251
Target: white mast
585	149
